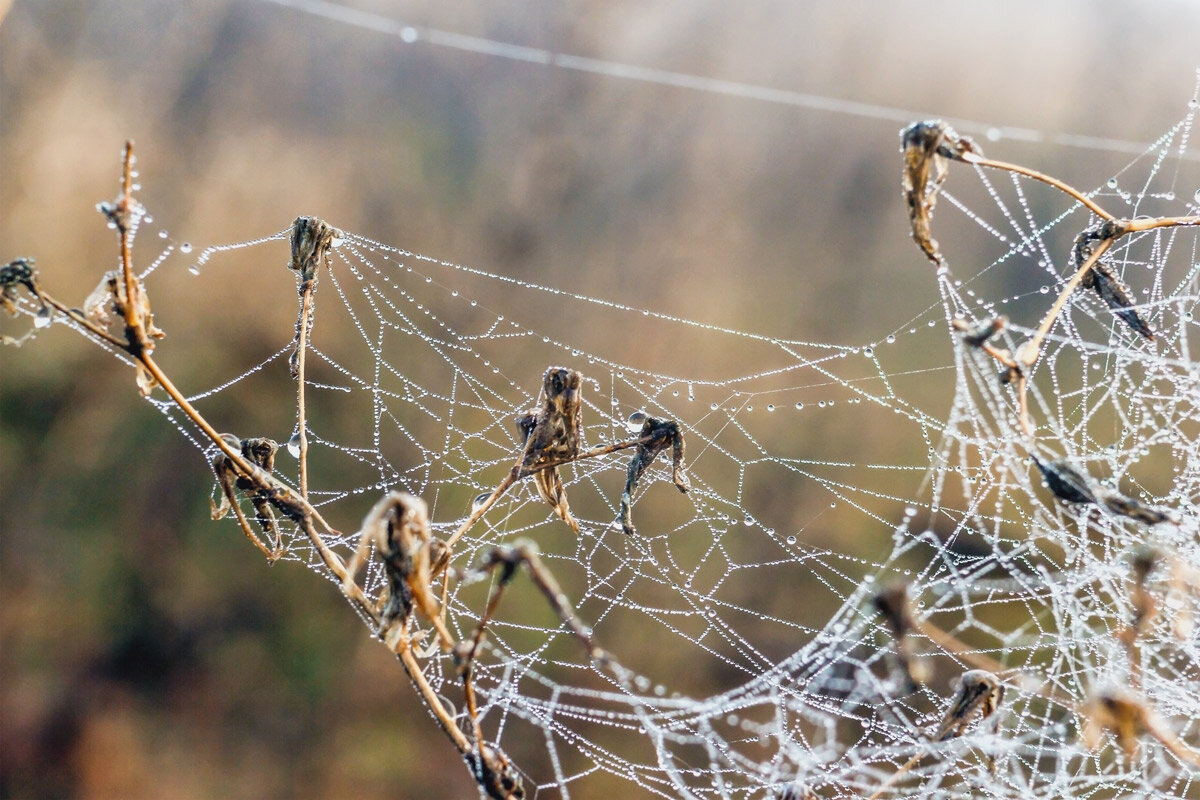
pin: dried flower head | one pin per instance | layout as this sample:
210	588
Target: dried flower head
1102	280
657	435
926	147
979	695
552	436
1120	713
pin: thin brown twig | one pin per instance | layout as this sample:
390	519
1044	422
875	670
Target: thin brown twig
301	350
1079	196
516	473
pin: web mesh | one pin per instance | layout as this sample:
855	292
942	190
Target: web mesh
743	615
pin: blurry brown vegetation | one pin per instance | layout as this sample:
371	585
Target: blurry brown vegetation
145	652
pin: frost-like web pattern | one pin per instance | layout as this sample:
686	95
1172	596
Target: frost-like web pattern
743	614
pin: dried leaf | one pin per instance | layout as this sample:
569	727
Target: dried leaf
551	435
1116	296
926	147
1117	712
1067	483
145	381
660	434
979	694
1104	282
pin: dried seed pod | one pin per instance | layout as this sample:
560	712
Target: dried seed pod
1124	506
978	334
979	694
660	434
495	774
926	147
1067	482
398	527
552	434
311	239
1104	282
16	273
1120	713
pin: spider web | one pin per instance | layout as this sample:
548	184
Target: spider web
741	614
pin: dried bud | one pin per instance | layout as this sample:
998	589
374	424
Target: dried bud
979	694
978	334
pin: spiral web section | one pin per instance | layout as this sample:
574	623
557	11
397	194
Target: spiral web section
750	659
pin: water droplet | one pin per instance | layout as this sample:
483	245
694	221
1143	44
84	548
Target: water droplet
1112	183
791	540
1196	196
336	241
635	421
408	34
194	269
891	339
293	445
186	247
908	512
479	500
43	317
868	352
770	406
1044	290
799	406
162	234
993	134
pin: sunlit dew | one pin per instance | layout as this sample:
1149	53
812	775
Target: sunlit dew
914	467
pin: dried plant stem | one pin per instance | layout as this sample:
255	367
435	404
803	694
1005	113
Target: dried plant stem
897	775
306	297
139	346
1139	225
953	644
405	654
1032	349
516	473
89	327
1083	199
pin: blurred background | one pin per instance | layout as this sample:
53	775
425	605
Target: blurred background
142	653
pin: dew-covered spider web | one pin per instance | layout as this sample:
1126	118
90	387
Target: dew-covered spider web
742	613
